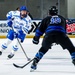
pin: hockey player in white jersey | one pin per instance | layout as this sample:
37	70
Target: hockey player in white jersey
20	24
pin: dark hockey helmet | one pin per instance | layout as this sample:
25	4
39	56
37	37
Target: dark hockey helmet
53	10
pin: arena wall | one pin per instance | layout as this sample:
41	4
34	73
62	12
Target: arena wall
4	28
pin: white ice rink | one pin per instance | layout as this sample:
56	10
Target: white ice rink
55	62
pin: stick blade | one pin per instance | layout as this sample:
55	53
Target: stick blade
17	66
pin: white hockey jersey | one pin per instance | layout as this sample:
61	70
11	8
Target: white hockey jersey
19	23
22	24
12	14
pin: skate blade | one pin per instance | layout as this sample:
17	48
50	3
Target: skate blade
8	58
32	70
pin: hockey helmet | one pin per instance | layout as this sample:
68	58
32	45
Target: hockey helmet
23	8
53	10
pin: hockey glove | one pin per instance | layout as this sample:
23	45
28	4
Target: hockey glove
10	23
35	40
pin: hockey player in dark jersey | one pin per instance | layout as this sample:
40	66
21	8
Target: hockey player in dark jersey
54	27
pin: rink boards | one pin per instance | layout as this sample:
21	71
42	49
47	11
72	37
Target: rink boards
4	29
32	35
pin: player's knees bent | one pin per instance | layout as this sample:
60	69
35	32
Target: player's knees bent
15	47
43	50
4	46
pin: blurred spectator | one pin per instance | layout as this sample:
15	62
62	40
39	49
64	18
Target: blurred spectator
30	15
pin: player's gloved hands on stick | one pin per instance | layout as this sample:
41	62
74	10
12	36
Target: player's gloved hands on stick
35	40
10	23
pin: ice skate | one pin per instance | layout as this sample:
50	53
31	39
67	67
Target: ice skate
73	57
10	56
73	61
0	52
34	65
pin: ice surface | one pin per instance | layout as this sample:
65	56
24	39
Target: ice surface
55	62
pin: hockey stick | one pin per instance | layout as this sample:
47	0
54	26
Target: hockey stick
17	66
22	48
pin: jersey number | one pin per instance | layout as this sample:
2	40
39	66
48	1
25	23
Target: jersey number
55	20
